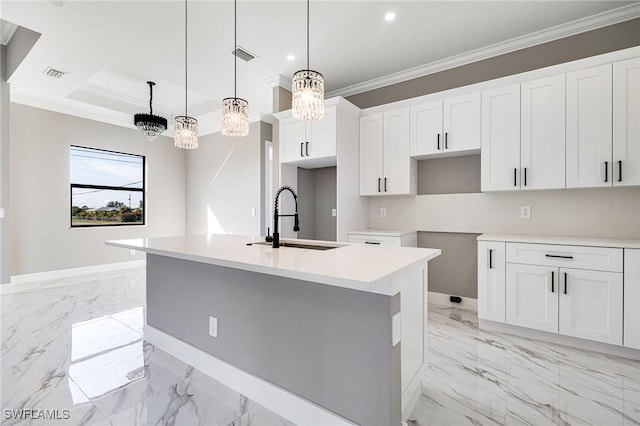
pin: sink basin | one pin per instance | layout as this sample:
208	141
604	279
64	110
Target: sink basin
297	245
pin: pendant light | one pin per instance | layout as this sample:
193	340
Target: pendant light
149	124
235	111
186	128
308	90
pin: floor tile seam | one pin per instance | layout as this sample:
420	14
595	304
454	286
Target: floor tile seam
90	400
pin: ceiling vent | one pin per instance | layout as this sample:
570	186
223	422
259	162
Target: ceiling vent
54	73
243	54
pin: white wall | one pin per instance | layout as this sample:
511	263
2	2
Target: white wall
611	212
224	183
42	239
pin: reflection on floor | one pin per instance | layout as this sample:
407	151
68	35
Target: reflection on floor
76	344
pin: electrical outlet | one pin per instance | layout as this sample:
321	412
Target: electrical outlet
383	212
334	212
253	212
213	326
525	212
132	252
396	329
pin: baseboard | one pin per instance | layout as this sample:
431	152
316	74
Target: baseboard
26	282
280	401
558	339
442	299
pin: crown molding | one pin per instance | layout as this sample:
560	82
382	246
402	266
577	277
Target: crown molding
611	17
7	30
279	80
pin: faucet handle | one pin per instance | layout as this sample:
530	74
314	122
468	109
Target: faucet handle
268	238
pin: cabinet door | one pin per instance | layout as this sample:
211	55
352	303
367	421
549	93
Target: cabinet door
501	139
589	128
632	298
591	305
426	129
626	124
371	152
397	158
292	139
491	280
322	138
462	123
532	297
542	140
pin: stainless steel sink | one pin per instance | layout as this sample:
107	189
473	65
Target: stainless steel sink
296	245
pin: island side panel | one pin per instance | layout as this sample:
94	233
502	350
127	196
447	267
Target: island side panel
330	345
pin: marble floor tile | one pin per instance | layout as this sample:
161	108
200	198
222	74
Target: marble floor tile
77	344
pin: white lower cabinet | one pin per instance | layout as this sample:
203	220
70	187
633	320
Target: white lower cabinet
632	298
578	291
591	305
532	297
491	280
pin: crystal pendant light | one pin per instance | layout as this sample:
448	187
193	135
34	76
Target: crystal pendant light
235	111
149	124
308	90
185	131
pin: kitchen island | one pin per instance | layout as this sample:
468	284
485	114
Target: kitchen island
331	336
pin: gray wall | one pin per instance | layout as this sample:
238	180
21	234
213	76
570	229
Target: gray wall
42	239
453	175
224	179
454	272
299	335
5	175
317	196
452	209
591	43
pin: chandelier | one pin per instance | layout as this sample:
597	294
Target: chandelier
308	90
150	125
235	111
185	131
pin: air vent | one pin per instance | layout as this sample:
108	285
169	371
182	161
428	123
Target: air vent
243	54
54	73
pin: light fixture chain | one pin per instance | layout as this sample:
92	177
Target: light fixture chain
307	34
151	98
235	47
185	58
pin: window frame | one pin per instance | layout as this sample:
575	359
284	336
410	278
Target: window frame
108	187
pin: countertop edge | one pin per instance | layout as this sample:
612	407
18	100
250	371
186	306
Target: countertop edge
628	243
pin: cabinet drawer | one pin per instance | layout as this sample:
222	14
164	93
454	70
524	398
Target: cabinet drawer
578	257
384	240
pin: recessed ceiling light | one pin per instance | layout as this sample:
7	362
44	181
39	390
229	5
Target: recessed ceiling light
291	58
390	16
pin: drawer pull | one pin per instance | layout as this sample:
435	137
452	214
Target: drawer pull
372	242
559	256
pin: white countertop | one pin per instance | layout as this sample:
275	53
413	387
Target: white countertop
358	266
570	241
385	232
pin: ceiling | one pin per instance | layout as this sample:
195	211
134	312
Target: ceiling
110	48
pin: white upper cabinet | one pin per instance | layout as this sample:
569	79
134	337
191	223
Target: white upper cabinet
542	156
501	139
589	130
462	123
371	154
451	125
386	167
626	122
426	128
309	142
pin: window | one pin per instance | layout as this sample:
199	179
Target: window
107	188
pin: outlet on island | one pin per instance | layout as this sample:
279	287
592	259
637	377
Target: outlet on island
213	326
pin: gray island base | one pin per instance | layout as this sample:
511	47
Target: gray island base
314	353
